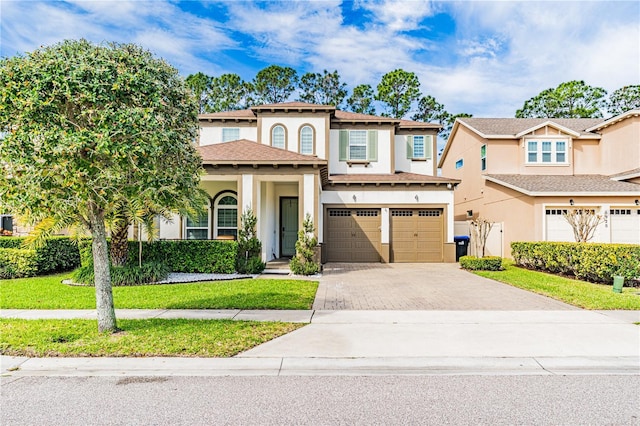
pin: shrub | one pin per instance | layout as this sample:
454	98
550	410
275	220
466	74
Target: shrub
18	263
128	275
303	262
57	254
489	263
594	262
249	260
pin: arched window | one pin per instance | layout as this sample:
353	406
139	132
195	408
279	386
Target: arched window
306	140
278	137
225	211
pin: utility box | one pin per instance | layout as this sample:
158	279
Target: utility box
462	246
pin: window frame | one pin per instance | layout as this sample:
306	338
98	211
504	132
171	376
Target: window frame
546	152
459	164
313	139
187	228
360	145
227	139
483	157
284	135
216	209
427	147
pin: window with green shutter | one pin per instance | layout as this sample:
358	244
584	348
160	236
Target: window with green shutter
419	147
358	145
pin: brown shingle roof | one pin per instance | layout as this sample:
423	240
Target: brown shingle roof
512	126
561	184
247	152
239	114
419	124
303	106
398	177
354	116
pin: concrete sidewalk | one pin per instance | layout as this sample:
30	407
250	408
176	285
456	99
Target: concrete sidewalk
385	342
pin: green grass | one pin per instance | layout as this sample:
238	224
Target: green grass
138	338
48	292
578	293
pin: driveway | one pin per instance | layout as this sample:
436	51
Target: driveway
420	286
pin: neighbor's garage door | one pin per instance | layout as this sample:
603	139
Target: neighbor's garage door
353	235
417	235
625	226
558	229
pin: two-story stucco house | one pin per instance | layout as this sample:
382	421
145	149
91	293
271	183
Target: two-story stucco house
369	183
524	173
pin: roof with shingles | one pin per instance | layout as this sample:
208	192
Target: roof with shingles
512	126
563	184
238	114
248	152
398	177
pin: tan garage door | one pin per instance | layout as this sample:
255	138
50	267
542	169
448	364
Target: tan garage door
353	235
417	235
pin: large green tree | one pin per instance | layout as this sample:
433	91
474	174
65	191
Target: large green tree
274	84
361	100
398	89
200	83
228	92
87	126
324	89
572	99
624	99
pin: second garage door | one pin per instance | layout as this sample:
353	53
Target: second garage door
353	235
417	235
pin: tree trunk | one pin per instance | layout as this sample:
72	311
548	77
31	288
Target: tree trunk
104	295
119	249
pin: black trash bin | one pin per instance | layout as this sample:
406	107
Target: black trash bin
462	245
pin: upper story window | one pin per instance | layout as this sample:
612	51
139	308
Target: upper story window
358	145
483	157
306	140
546	151
278	137
230	134
419	147
459	163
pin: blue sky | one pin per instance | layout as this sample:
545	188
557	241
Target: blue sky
483	58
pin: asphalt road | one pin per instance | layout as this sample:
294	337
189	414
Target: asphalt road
425	400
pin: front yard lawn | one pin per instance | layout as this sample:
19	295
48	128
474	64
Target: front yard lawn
138	338
578	293
48	292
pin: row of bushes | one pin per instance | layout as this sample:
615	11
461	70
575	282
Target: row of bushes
195	256
591	262
57	254
489	263
64	254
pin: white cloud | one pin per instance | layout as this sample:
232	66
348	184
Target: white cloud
397	15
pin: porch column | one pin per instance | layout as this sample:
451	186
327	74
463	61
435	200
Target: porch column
247	193
308	197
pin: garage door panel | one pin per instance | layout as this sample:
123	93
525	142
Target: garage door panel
625	225
353	235
417	235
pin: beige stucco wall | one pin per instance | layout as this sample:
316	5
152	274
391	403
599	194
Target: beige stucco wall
620	146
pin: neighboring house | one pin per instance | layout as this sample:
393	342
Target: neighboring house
523	173
369	183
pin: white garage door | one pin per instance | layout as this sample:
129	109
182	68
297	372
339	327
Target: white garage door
625	226
557	227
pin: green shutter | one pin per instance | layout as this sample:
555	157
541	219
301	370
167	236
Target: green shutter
344	145
409	147
372	145
428	146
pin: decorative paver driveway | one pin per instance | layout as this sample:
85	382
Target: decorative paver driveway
424	286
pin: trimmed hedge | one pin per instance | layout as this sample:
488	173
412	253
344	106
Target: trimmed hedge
489	263
18	263
593	262
58	254
195	256
128	275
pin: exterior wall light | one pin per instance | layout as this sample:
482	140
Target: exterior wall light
571	201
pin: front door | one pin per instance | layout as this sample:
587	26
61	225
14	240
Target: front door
288	226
